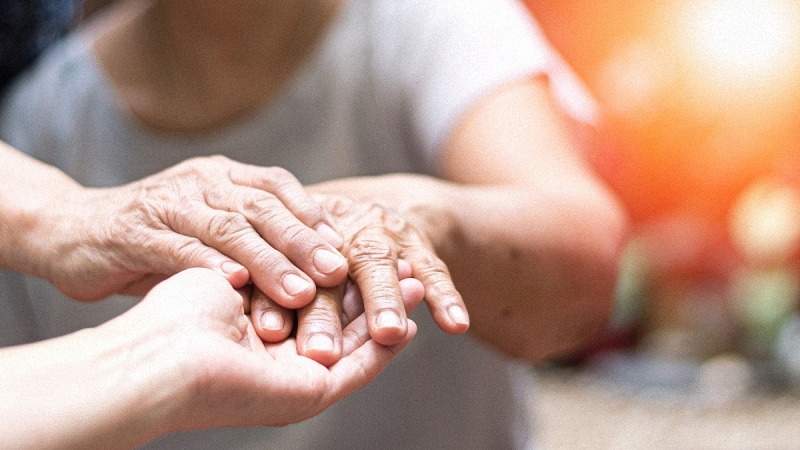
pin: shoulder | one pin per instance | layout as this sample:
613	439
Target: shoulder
422	22
442	56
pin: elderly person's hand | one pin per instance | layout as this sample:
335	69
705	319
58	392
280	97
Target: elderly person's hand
331	325
187	356
379	243
245	222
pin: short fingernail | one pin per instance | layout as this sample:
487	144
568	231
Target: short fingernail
458	315
295	284
231	267
330	235
272	320
320	342
388	319
328	262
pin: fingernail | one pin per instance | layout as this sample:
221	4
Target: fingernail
294	284
330	235
320	342
231	267
388	319
328	262
272	320
458	315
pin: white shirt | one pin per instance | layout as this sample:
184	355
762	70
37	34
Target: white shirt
380	94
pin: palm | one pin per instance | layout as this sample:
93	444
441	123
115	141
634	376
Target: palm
249	382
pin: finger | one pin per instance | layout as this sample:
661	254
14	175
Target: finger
353	303
319	327
276	224
356	332
254	342
272	322
292	194
373	266
246	292
233	235
169	253
363	365
196	286
445	303
404	269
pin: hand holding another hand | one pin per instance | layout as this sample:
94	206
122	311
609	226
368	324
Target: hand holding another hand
226	376
245	222
384	252
333	323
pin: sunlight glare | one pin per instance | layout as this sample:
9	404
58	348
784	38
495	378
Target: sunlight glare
745	38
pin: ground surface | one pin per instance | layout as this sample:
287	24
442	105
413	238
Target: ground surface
574	410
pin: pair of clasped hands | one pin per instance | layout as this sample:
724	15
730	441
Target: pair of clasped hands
293	298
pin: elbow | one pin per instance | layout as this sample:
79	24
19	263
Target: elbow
575	287
586	309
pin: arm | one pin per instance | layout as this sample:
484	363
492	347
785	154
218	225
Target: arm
530	238
243	221
162	367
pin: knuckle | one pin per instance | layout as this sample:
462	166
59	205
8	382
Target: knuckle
227	225
433	266
270	261
381	296
308	210
268	212
337	205
364	250
189	250
322	320
155	196
296	236
443	286
194	165
259	206
434	273
396	224
424	260
281	176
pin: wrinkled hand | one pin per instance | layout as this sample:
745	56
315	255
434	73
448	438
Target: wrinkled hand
331	325
376	238
228	377
245	222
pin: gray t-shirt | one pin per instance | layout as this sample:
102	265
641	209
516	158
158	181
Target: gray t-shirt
379	94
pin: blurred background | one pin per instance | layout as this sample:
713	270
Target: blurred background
700	139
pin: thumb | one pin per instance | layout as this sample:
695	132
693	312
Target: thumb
191	285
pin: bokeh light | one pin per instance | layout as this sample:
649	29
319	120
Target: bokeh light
742	40
765	223
700	140
742	58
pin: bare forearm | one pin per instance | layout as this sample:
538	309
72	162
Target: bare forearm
536	268
78	391
27	186
536	265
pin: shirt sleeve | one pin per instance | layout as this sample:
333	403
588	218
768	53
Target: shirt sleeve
462	50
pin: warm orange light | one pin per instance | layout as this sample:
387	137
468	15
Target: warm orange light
743	44
745	37
765	222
